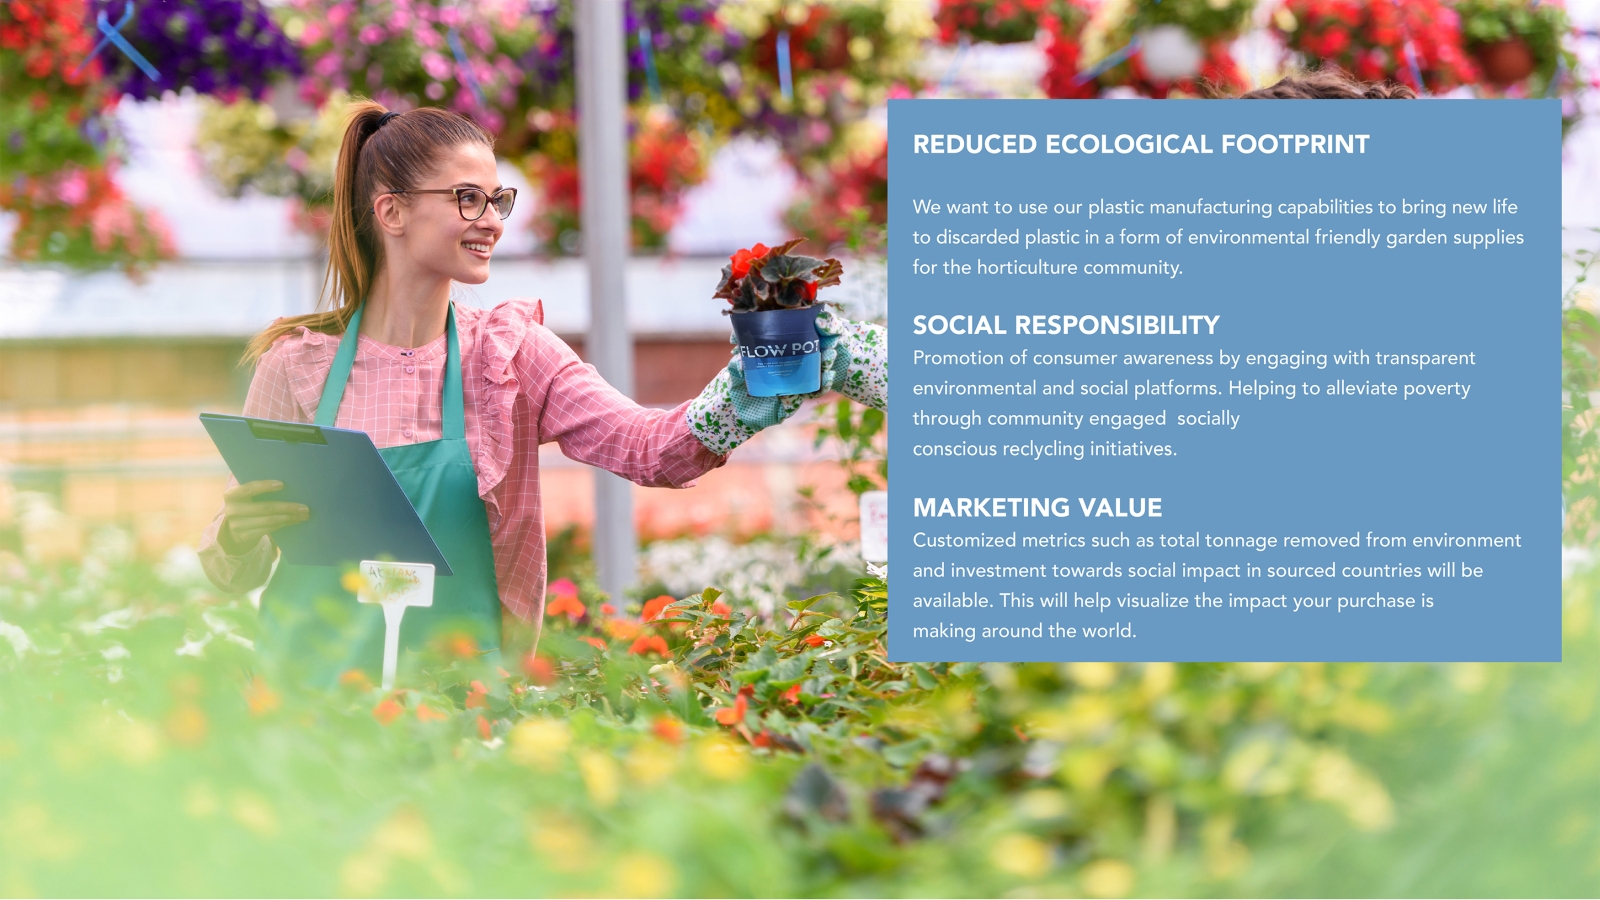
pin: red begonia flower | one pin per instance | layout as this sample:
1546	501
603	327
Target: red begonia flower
733	715
650	643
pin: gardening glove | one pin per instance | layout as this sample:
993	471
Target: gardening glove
855	362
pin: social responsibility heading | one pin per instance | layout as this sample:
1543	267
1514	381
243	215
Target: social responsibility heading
1171	144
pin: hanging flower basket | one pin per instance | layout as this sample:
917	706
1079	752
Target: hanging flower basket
79	217
1167	46
1417	43
1517	43
665	159
221	47
773	298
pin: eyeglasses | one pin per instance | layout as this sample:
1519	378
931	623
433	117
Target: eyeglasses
472	202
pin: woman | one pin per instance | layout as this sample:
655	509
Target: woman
457	399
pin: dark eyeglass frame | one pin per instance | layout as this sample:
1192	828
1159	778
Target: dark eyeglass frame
460	194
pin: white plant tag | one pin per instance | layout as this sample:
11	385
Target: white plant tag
395	586
875	526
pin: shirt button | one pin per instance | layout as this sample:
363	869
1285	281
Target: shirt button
410	369
407	432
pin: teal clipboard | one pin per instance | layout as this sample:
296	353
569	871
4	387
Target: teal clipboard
358	509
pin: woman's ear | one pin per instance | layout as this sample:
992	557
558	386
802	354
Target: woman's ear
389	213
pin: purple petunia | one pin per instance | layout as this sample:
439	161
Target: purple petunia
213	46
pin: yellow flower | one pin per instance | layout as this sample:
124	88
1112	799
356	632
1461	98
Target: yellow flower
600	777
1021	855
721	759
539	743
1107	878
644	875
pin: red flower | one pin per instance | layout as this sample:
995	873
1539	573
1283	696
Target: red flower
814	640
792	695
721	609
742	259
650	643
387	711
653	608
539	670
460	646
595	642
607	609
483	728
478	696
428	714
733	715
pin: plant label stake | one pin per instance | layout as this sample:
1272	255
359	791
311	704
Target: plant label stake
395	586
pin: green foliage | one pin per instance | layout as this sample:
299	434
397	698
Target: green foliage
1580	377
141	754
862	435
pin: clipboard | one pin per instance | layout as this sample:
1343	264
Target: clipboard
358	509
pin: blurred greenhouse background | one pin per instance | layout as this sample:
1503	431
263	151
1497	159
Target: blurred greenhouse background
731	726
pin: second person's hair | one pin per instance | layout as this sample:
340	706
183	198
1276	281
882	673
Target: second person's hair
379	150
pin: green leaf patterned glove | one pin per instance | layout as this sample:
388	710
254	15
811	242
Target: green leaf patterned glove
855	363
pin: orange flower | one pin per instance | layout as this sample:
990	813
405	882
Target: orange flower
458	645
478	696
355	679
596	643
539	670
484	731
649	643
667	728
260	698
721	609
428	714
733	715
623	629
565	603
815	640
607	609
186	724
387	711
792	695
653	608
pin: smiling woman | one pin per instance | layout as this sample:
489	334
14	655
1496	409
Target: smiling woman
458	401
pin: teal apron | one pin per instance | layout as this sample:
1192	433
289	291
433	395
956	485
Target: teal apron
312	628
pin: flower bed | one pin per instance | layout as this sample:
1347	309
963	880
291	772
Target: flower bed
681	747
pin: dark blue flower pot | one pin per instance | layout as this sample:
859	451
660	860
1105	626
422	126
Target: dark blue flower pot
780	350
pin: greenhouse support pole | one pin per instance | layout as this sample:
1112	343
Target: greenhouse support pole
603	173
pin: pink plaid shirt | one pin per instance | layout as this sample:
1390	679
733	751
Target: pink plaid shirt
523	387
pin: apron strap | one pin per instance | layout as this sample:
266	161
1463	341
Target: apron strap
452	409
453	422
339	373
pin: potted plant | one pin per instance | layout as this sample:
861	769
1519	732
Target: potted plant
773	298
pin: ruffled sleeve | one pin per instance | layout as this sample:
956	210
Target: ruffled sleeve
504	331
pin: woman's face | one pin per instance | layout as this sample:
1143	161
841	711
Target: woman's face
428	229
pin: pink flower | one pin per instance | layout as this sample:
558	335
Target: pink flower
435	65
312	34
73	189
370	34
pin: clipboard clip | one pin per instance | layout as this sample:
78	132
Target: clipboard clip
287	432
